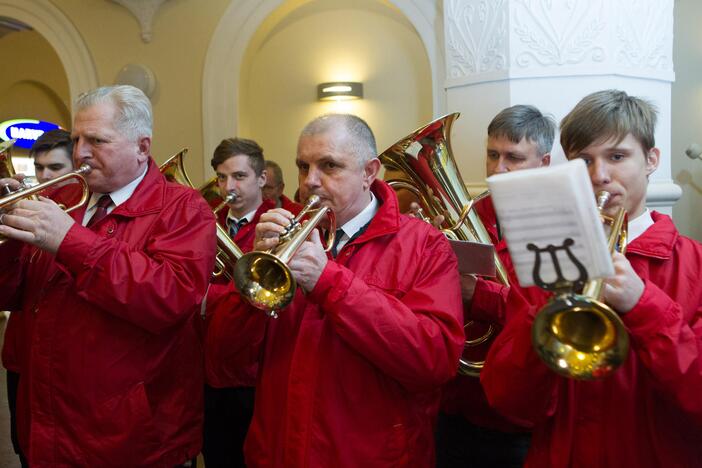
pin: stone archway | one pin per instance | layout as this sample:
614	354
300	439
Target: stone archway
239	23
60	32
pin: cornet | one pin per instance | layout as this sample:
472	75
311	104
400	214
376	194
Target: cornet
10	198
578	335
264	278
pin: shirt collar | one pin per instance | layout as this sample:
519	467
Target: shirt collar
248	216
121	195
353	225
639	225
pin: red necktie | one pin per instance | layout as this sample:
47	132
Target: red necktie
101	209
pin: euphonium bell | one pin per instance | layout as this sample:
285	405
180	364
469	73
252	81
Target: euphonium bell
429	171
264	278
227	251
578	335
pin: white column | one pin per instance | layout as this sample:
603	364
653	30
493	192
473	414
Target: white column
551	53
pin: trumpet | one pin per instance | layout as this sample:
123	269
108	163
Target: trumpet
578	335
227	251
264	278
30	193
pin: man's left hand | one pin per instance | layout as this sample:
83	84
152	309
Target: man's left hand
623	291
308	263
38	222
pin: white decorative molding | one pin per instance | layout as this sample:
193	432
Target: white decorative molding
476	36
144	11
644	34
59	31
495	40
557	33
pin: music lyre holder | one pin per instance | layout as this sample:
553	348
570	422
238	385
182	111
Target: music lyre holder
561	283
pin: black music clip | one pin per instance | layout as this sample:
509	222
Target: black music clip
561	283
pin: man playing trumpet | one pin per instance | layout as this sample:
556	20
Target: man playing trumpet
648	413
350	370
115	368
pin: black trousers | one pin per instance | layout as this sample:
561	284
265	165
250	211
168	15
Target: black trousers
228	413
12	384
462	444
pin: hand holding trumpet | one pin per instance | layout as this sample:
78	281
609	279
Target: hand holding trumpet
38	222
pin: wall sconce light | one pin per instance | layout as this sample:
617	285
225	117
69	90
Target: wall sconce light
340	91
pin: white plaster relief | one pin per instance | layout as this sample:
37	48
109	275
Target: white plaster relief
144	11
555	33
476	36
644	34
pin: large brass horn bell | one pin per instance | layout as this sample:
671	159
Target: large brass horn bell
264	278
427	168
578	335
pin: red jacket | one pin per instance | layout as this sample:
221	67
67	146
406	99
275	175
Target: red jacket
463	395
350	372
15	345
221	368
649	412
114	377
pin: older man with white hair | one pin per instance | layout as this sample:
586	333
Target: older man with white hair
114	371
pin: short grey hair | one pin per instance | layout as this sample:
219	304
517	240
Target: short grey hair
362	142
134	115
524	122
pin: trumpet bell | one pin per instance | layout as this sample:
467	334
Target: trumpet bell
580	337
267	282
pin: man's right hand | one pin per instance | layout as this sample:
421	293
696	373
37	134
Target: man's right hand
416	212
270	226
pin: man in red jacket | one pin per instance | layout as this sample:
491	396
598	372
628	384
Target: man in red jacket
469	431
110	292
275	185
350	371
229	389
648	413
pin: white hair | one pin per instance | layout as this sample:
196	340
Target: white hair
134	115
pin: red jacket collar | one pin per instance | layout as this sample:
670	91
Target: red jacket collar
658	240
148	196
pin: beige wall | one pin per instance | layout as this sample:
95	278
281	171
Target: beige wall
687	115
181	34
301	44
33	83
330	40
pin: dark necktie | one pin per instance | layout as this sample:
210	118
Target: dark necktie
102	205
234	226
337	238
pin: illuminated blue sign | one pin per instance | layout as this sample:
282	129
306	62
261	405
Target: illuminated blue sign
25	131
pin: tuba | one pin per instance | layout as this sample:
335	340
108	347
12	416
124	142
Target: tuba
227	251
9	197
428	170
264	278
578	335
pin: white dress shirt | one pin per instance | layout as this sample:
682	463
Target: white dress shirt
352	226
118	197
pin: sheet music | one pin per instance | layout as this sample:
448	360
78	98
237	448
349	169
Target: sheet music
546	206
